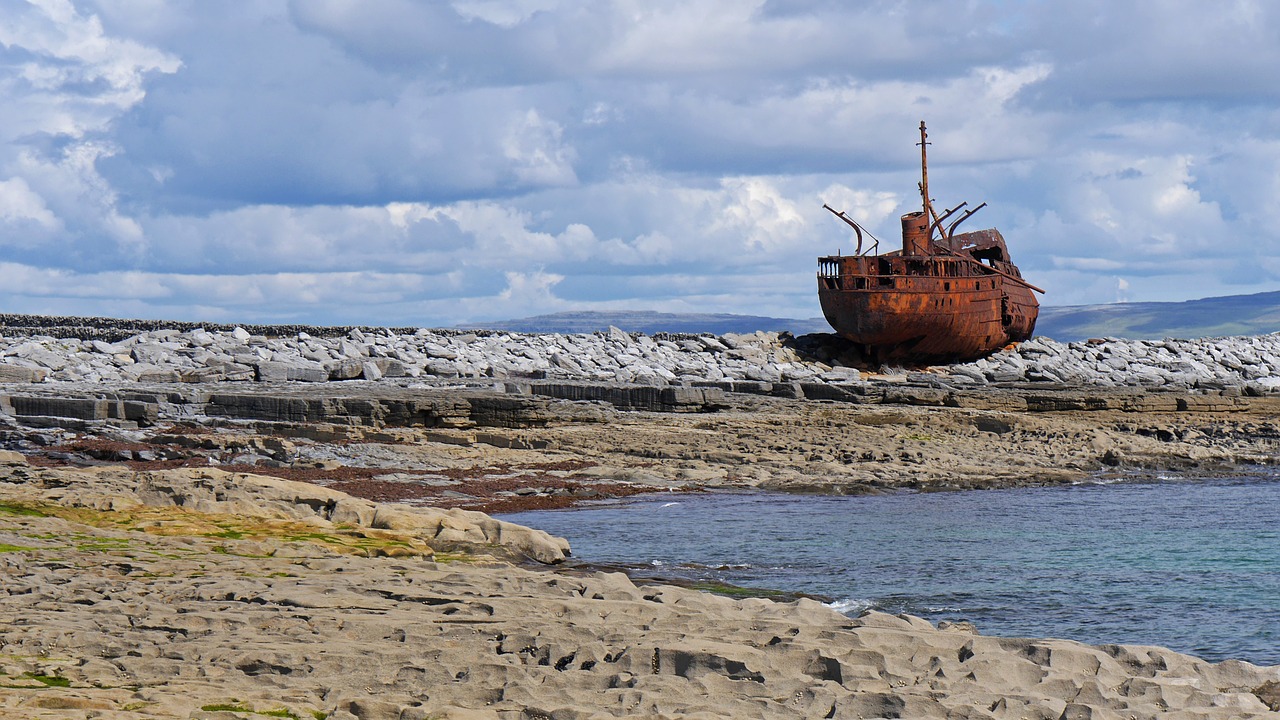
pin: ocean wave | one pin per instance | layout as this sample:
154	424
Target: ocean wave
1102	481
851	606
723	566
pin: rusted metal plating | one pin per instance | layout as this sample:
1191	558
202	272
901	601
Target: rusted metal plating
944	297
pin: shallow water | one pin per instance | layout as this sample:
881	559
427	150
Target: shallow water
1190	565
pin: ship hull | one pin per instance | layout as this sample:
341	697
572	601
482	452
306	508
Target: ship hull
930	319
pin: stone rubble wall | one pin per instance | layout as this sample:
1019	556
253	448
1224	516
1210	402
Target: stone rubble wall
1208	363
731	362
200	355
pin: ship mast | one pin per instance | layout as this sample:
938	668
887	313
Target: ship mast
924	175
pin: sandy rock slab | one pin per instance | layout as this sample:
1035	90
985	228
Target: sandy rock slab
122	620
217	501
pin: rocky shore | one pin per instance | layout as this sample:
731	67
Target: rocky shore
237	522
97	350
205	594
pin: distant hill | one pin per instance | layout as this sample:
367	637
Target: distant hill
655	322
1256	314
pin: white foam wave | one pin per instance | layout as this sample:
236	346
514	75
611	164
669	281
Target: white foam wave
850	606
1099	481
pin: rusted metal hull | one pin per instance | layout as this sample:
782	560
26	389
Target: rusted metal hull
918	321
960	302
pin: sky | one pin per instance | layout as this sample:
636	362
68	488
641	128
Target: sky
387	162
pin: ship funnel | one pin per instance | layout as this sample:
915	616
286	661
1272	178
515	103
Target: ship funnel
915	234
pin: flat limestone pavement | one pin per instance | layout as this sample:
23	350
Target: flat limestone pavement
894	435
119	603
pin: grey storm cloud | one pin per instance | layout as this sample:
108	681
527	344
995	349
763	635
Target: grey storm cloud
398	162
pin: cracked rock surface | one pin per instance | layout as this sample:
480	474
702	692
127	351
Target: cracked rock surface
144	610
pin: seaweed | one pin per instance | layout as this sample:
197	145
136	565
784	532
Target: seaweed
22	510
48	680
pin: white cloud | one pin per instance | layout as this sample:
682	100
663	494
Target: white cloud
47	282
1088	264
1002	85
1122	290
73	82
385	161
758	213
76	79
600	113
19	204
529	289
1133	210
685	37
868	208
538	155
504	13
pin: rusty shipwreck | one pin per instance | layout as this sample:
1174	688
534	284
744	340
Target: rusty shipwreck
944	297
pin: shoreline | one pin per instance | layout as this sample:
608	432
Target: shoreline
885	570
136	595
510	445
160	570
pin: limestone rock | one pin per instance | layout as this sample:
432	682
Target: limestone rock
619	336
241	494
21	374
300	371
348	369
306	356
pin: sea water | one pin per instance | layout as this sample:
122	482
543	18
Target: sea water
1192	565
